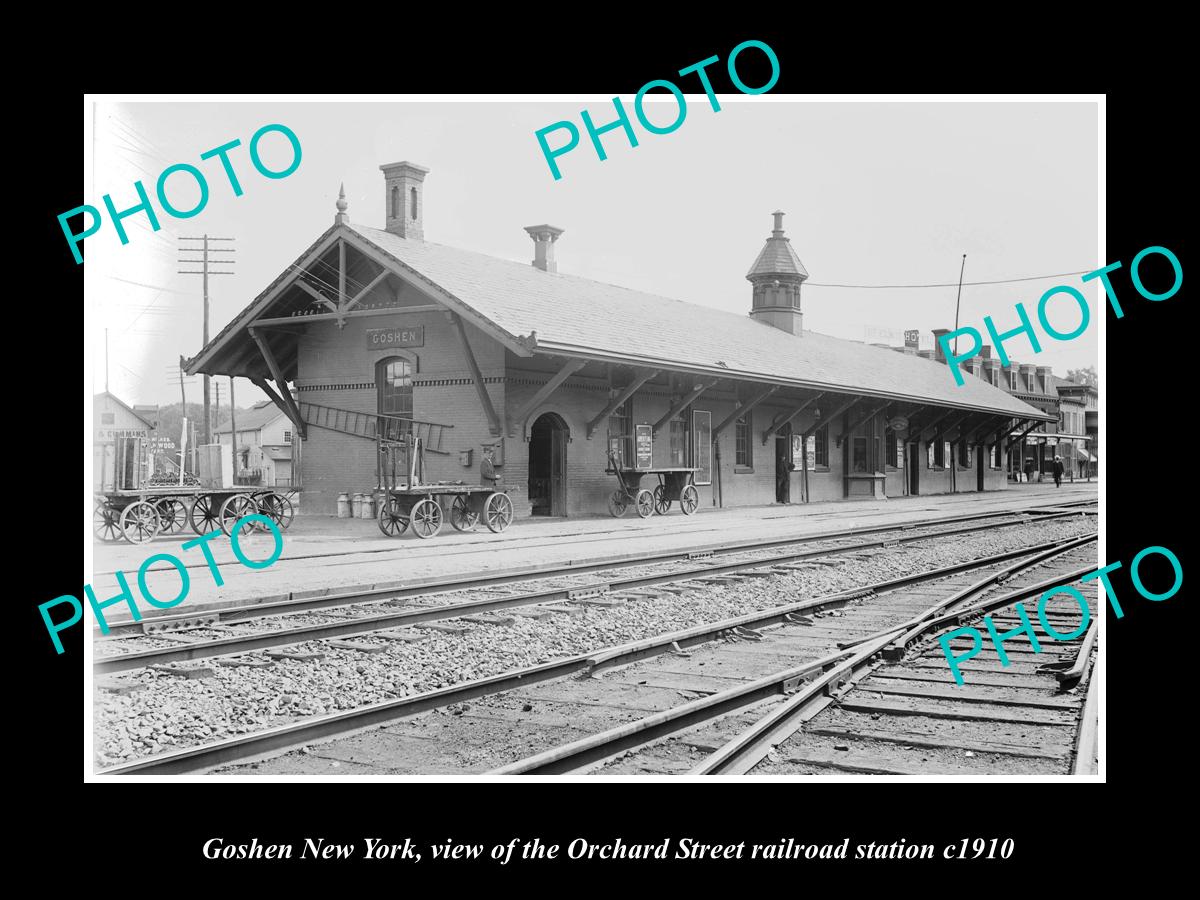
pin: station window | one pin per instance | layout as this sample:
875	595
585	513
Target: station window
937	455
677	436
287	437
891	449
412	203
393	383
395	202
997	455
620	432
858	455
743	458
966	454
108	418
821	447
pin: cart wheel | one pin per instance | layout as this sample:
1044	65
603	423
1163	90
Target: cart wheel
462	517
139	522
278	507
498	511
644	503
106	521
617	503
235	507
392	518
172	515
689	499
426	518
662	505
203	514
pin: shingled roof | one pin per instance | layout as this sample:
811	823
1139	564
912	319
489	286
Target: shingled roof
575	316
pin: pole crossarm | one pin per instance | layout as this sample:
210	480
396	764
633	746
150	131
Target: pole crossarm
681	404
782	420
624	394
743	409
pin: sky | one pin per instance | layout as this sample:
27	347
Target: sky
874	194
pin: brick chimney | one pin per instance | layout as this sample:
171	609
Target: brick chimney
544	238
777	275
937	346
404	196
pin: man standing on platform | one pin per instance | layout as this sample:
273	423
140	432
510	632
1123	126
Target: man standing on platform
1058	471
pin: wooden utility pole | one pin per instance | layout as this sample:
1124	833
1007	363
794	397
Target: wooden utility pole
957	301
205	271
233	426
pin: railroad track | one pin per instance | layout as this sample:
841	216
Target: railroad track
156	621
305	731
172	639
883	702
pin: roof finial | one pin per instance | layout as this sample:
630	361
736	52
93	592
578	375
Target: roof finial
778	232
341	218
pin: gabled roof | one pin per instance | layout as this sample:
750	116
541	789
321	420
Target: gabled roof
117	400
258	416
565	315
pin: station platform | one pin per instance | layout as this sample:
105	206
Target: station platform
324	554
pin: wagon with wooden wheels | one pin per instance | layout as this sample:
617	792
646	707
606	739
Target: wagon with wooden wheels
425	508
277	506
409	501
674	485
140	515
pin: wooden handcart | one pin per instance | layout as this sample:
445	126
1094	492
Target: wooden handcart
138	515
674	484
409	499
137	510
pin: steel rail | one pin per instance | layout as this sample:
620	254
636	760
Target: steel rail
835	669
366	624
1085	745
296	734
212	615
746	750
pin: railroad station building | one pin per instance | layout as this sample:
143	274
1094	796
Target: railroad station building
383	333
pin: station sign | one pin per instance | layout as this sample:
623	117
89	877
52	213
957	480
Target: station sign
644	446
912	338
402	336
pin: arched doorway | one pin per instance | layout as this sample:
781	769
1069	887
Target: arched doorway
548	465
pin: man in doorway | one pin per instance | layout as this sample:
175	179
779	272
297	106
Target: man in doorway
488	475
1029	467
783	473
1058	471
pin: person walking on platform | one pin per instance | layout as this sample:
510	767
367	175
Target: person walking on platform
1058	471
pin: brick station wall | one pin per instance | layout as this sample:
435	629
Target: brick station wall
338	370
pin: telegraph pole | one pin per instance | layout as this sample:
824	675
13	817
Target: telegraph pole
205	271
957	301
233	425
